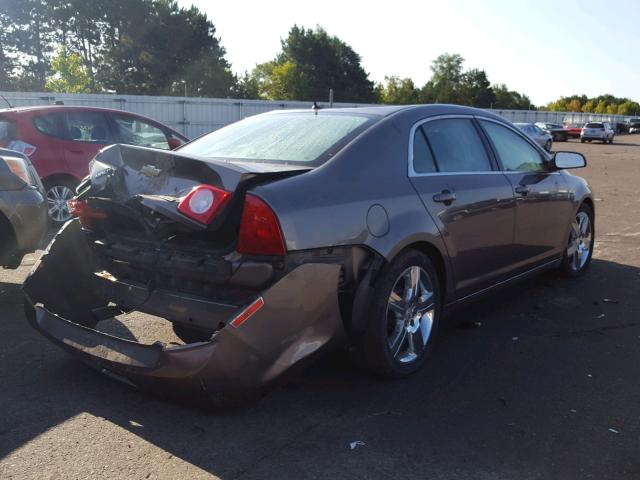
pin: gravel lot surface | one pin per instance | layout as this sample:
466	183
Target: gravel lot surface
538	382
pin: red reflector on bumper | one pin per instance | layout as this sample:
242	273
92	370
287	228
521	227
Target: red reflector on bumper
247	312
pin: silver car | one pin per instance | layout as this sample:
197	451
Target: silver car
540	136
601	131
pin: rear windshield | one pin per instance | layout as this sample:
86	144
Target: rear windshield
7	129
300	137
593	125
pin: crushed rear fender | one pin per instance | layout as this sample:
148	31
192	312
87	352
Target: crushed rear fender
64	300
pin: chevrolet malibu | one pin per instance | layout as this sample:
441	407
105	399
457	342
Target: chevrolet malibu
291	232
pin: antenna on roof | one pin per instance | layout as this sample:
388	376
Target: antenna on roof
3	97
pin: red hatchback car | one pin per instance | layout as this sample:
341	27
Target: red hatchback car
60	141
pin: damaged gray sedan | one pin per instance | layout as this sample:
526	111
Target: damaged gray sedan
290	232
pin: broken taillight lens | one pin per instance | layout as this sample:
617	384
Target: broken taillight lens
85	213
203	203
260	232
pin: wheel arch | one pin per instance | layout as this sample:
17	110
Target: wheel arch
60	177
365	289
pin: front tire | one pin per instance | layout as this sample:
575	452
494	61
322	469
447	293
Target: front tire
58	195
577	256
403	318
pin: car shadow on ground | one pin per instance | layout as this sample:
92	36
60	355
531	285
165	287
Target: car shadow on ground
524	383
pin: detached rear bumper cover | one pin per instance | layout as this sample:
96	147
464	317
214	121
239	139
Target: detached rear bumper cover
300	315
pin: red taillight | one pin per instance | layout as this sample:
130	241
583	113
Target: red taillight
259	229
203	203
85	213
22	147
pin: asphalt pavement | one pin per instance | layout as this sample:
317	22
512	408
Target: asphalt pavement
538	382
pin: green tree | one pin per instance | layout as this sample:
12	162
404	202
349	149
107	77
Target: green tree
444	85
509	99
312	62
29	33
69	74
588	107
398	91
475	89
157	46
601	107
574	105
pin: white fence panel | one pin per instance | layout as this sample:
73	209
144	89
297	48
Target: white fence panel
195	116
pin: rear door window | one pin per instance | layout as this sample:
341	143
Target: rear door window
135	131
456	145
89	127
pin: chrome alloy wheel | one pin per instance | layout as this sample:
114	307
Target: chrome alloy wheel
58	198
579	242
410	314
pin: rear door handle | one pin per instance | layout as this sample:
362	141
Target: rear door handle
523	189
445	197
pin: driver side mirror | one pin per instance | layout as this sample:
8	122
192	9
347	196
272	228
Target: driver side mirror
566	160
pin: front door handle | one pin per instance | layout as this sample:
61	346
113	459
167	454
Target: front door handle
523	189
445	197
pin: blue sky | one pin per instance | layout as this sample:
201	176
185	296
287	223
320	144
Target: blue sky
542	48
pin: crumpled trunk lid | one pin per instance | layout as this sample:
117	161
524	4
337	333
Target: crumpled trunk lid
140	188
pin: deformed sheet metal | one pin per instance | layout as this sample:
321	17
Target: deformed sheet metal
300	315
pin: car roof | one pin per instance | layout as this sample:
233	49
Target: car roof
70	108
424	110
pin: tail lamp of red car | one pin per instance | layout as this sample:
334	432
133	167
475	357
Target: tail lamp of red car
22	147
203	203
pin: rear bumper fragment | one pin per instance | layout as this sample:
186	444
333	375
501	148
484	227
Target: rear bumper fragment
300	315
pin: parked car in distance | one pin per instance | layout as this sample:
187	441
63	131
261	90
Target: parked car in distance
60	141
634	127
620	128
23	208
574	129
597	131
359	227
557	131
541	137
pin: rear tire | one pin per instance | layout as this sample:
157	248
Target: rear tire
403	320
577	256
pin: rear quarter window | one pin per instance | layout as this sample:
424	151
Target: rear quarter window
51	124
